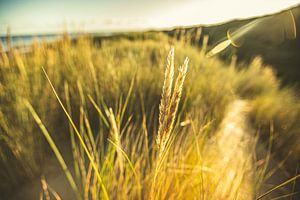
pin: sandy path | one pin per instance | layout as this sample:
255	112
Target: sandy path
233	156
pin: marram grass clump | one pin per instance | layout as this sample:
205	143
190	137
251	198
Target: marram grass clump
173	172
128	139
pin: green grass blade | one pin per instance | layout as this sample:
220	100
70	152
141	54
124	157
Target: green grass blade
129	162
72	134
127	100
54	148
95	167
99	111
279	186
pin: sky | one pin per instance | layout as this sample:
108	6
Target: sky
48	16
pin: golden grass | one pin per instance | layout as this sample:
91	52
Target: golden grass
168	110
169	101
129	139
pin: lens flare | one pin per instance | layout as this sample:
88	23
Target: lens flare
220	47
271	29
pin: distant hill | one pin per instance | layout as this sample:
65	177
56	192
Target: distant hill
284	57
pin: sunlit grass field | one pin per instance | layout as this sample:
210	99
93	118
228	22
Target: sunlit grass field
132	118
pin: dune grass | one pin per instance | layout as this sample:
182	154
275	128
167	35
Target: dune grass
129	141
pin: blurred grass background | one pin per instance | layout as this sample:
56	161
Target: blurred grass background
126	73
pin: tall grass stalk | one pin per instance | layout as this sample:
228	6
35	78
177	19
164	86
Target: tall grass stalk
168	109
54	148
169	101
82	143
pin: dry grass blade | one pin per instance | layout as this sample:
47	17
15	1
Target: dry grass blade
88	182
116	138
47	190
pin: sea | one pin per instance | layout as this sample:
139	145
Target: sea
26	40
